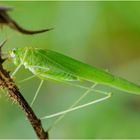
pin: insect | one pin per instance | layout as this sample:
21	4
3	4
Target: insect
47	64
7	20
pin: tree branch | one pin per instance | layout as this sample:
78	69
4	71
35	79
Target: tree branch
6	82
7	20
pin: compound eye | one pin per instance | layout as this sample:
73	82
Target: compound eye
13	53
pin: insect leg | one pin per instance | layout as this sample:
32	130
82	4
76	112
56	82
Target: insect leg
84	87
38	89
77	107
26	79
73	108
74	104
16	70
63	113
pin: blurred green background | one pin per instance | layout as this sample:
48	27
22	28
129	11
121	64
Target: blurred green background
103	34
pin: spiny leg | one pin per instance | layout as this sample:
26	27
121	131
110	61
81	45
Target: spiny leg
77	107
74	104
72	108
63	113
38	89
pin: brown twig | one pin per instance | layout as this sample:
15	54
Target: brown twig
6	82
7	20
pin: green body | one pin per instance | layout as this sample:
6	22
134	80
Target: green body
48	64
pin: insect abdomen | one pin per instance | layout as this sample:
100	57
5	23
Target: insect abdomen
57	76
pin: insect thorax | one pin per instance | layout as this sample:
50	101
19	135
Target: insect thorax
37	61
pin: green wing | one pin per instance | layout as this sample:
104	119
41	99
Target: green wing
90	73
40	64
49	64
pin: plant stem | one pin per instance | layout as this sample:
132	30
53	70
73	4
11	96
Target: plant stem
6	82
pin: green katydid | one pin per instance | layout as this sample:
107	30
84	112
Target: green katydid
47	64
